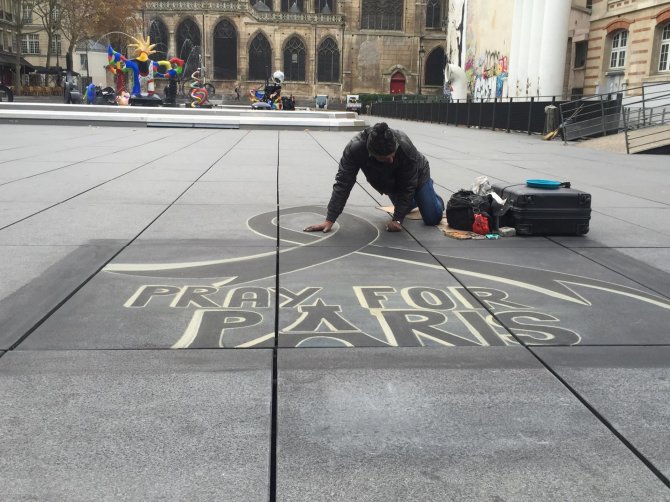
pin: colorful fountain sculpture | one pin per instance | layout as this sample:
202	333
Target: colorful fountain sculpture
269	97
142	72
199	95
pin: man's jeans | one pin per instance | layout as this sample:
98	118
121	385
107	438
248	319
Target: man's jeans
430	204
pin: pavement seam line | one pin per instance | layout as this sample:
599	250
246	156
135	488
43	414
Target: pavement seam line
93	188
67	298
78	162
528	348
573	391
275	351
662	477
618	272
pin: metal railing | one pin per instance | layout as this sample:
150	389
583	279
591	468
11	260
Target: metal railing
628	110
591	116
647	119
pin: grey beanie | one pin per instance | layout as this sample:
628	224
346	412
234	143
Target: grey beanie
381	140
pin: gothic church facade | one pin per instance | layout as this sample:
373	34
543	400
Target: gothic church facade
331	47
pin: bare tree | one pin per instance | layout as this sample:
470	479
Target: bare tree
91	19
49	13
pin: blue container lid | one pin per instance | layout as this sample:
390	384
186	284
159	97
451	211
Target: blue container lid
550	184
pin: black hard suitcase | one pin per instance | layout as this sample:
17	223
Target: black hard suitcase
541	211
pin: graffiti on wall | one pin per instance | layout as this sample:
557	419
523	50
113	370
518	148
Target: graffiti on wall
487	74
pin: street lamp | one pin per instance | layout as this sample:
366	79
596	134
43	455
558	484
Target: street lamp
422	51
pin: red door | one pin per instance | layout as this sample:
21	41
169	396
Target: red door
398	83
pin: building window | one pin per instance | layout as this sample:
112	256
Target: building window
589	4
188	41
2	40
294	6
262	5
83	61
260	58
56	43
664	63
328	64
382	15
434	69
433	14
324	6
158	34
619	44
30	44
225	51
580	53
27	14
294	60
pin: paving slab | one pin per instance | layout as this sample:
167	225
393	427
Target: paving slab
197	278
74	224
628	386
11	171
36	279
12	212
442	424
648	266
348	294
132	425
610	231
550	296
204	269
231	192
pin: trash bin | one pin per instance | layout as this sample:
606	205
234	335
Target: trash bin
551	119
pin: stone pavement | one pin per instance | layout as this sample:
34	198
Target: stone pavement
378	366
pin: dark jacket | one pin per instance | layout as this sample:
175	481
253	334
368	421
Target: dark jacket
409	171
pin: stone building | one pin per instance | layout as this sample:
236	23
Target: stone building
9	45
628	46
332	47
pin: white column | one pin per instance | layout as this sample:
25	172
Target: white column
524	43
535	44
554	47
513	77
464	40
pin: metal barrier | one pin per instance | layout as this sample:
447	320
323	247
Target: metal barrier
510	114
591	117
647	120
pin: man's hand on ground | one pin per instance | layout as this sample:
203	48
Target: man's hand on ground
393	226
321	227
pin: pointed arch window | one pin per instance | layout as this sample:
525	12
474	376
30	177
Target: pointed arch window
294	6
158	34
294	60
188	39
433	19
435	64
382	15
260	58
225	51
262	5
324	6
328	61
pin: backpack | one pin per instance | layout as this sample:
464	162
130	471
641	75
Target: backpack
462	207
